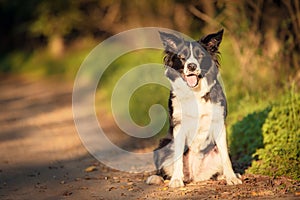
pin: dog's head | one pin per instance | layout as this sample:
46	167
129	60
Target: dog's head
192	59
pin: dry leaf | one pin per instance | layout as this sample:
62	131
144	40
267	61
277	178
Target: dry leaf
67	193
90	169
40	186
130	183
164	188
122	187
111	188
262	193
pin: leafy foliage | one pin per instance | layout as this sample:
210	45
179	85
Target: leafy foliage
269	139
246	137
56	17
281	133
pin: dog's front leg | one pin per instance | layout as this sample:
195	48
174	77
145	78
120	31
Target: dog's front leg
177	176
219	133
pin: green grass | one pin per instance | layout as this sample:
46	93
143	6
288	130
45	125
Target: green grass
143	97
243	99
247	105
40	63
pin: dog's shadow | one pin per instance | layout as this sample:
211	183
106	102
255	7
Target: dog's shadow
245	138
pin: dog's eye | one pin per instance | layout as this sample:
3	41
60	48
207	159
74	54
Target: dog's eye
183	54
181	57
199	54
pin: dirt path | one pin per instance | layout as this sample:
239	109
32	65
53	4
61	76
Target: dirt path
42	156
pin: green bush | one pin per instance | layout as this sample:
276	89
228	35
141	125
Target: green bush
246	137
281	139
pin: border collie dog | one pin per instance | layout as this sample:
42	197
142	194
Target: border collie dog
195	148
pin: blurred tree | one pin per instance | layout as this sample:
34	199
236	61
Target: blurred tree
264	35
58	19
54	20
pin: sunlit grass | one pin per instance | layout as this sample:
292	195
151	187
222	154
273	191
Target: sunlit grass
242	99
143	97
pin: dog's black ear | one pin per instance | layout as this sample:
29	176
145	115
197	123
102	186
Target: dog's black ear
212	41
170	41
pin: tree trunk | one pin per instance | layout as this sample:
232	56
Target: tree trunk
56	45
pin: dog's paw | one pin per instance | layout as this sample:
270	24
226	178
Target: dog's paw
233	180
155	180
174	183
221	177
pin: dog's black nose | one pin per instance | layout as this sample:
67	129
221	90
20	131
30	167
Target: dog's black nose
191	66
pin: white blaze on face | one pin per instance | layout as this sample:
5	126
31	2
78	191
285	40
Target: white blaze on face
192	81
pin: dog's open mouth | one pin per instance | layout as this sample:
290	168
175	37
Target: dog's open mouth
192	80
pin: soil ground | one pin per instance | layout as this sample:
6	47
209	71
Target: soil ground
42	156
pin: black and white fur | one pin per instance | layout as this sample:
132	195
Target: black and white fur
195	148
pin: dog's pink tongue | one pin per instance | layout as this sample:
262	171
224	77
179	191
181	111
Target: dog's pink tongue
191	80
